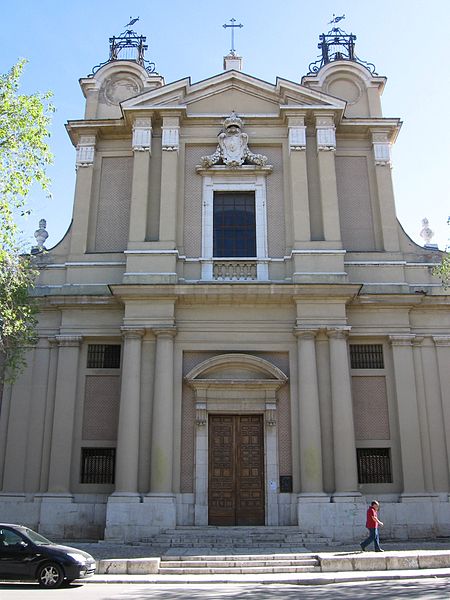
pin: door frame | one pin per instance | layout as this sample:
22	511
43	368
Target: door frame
236	384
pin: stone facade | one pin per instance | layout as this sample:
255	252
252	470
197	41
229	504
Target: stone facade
333	327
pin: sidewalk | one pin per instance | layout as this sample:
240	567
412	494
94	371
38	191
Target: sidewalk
401	560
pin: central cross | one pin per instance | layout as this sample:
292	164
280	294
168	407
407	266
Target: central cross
233	27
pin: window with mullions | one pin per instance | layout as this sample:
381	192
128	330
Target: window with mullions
103	356
97	465
234	225
374	465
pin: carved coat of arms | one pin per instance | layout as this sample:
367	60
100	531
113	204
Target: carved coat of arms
233	150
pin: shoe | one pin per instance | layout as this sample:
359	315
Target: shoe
362	548
379	550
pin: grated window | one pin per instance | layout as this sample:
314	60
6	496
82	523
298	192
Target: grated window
234	224
103	356
374	465
98	465
366	356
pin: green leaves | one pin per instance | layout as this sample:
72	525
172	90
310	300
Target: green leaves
24	158
443	270
24	151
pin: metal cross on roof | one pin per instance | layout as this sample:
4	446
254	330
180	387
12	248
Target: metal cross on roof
233	26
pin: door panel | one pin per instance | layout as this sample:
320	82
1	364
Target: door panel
236	470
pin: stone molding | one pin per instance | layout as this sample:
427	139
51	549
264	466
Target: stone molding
132	332
381	149
338	333
85	151
68	341
297	138
142	135
326	133
401	339
170	139
441	341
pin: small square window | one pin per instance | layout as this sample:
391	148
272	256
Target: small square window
103	356
374	465
366	356
98	465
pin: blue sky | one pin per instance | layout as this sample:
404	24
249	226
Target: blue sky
407	40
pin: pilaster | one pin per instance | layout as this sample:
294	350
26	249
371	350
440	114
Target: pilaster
309	414
169	179
442	343
408	416
162	418
299	179
326	146
345	468
85	158
382	158
64	414
142	145
127	456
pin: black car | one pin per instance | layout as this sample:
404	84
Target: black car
25	555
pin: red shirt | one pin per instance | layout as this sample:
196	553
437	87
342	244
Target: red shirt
371	522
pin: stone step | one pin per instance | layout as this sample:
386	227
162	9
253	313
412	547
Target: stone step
187	564
235	570
304	558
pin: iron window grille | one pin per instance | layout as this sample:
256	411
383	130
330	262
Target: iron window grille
234	224
103	356
374	465
98	465
366	356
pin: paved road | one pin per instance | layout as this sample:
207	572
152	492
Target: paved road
423	589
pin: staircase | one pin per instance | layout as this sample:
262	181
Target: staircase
238	564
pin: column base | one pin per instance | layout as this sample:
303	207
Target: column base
418	497
314	497
129	519
129	497
347	497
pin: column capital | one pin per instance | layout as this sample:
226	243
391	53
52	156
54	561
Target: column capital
132	332
401	339
85	151
338	333
441	341
171	133
68	340
165	331
326	132
142	135
306	333
381	148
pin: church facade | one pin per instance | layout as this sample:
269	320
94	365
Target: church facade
235	330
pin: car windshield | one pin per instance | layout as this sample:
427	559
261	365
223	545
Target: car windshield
36	538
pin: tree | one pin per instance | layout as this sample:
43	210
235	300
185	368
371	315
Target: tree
443	270
24	158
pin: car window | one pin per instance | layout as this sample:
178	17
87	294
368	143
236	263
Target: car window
37	538
9	538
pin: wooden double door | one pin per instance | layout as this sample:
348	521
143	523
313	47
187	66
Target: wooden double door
236	470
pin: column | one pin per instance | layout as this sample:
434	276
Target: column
147	378
309	414
326	146
162	419
442	343
408	416
64	414
423	416
382	157
169	179
345	467
127	454
435	417
83	190
299	179
142	145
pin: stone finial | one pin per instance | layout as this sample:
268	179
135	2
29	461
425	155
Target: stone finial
40	235
426	233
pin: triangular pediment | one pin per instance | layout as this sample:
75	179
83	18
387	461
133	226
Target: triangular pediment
232	90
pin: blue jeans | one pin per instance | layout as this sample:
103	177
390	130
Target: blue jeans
373	537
